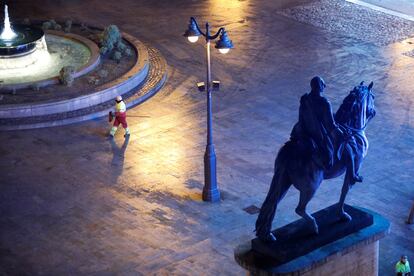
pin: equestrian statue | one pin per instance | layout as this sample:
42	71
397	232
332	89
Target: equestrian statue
321	146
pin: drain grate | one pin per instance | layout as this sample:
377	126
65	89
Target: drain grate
252	209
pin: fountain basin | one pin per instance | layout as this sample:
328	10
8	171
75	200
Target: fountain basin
27	39
41	67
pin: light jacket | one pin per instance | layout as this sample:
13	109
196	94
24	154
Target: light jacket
120	109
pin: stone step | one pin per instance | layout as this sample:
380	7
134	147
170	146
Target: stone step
154	81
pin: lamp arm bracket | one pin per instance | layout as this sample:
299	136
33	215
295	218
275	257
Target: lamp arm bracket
198	28
217	34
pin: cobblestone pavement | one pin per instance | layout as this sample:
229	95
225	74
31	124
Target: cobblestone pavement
74	203
366	24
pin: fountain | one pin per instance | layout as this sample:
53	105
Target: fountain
21	41
34	94
7	33
29	56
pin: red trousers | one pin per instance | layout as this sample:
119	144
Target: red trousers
120	118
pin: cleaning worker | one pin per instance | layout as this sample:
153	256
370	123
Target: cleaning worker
120	117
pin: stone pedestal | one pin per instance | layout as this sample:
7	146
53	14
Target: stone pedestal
352	252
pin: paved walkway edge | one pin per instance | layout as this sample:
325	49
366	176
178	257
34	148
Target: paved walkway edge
381	9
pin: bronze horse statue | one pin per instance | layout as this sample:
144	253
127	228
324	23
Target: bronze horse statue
294	166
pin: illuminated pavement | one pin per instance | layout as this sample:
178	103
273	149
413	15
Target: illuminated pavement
74	203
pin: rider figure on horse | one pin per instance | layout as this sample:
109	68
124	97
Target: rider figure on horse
316	130
319	149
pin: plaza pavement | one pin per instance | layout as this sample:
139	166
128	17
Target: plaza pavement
74	203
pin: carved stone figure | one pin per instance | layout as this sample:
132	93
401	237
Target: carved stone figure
321	146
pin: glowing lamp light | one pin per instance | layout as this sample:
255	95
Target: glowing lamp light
224	50
192	39
224	44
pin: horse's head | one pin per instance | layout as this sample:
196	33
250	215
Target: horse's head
357	108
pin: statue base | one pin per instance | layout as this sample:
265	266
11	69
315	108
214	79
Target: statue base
346	248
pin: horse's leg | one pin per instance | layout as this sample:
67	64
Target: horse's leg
307	186
345	188
305	197
278	188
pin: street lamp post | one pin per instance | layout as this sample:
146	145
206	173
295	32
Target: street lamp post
224	44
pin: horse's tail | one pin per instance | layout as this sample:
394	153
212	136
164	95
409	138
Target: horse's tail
278	188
